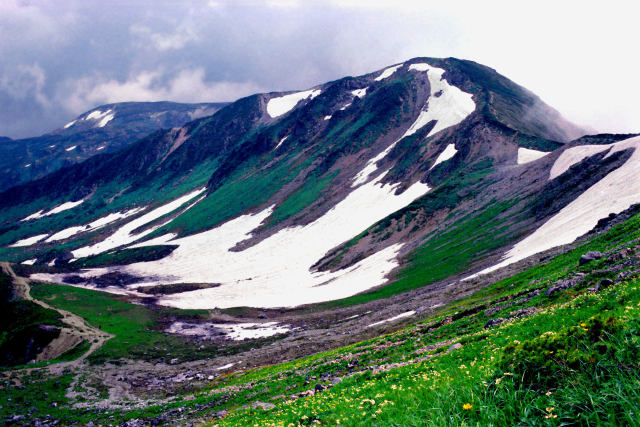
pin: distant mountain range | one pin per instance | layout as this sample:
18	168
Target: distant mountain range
425	171
104	129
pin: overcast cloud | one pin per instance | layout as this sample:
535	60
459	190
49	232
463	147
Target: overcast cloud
61	58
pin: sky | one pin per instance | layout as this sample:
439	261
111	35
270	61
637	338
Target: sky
60	58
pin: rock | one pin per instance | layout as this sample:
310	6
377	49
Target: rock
319	387
494	322
262	315
604	283
336	380
456	346
590	256
263	405
174	361
15	418
221	414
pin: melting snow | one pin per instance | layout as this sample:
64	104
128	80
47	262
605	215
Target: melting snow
100	148
360	93
327	117
105	120
612	194
393	319
527	155
345	106
281	141
233	331
451	107
60	208
283	104
574	155
276	272
387	72
419	67
123	235
68	125
27	165
227	366
449	152
73	147
98	223
29	261
28	241
241	331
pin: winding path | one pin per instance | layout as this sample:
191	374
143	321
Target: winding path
77	328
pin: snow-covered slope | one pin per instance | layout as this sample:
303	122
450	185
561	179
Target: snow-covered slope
404	176
611	195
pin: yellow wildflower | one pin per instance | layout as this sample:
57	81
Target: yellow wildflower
467	406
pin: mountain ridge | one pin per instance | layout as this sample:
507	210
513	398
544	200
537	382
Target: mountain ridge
402	151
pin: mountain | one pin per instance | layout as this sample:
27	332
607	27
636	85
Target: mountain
104	129
426	173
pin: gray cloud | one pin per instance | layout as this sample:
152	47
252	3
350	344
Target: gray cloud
62	58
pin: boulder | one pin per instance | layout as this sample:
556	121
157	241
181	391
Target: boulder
590	256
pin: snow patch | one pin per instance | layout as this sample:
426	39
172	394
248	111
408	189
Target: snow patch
60	208
451	107
227	366
387	72
123	235
527	155
449	152
28	241
242	331
283	104
27	165
419	67
573	156
68	125
100	148
232	331
327	117
97	115
65	206
106	119
614	193
73	147
281	141
345	106
98	223
29	261
360	93
393	319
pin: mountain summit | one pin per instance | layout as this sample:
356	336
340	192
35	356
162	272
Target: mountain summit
427	171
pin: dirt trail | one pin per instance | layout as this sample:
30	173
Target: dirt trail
75	332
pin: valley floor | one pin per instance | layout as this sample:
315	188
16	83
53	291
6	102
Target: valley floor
554	344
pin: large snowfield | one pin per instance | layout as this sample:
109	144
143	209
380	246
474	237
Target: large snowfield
275	272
